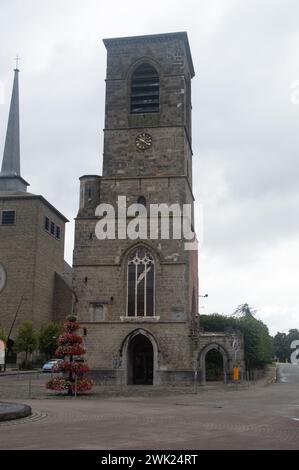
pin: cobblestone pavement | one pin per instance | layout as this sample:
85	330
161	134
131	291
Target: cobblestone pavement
214	418
32	385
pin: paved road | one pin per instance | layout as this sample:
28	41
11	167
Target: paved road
288	373
215	418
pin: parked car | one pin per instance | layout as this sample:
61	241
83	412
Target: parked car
47	367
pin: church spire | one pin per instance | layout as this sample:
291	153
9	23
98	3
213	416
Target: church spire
10	176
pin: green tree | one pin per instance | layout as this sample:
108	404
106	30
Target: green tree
217	322
281	347
292	335
47	338
258	342
244	310
26	340
2	334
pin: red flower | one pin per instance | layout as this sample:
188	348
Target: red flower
71	326
70	344
66	366
69	338
58	383
70	350
83	385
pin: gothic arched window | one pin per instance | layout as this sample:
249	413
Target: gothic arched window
141	283
145	90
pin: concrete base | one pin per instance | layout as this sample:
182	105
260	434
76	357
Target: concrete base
10	411
161	377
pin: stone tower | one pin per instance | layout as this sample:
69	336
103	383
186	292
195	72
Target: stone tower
137	299
32	284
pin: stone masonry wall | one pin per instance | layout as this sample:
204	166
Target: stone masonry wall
104	340
30	256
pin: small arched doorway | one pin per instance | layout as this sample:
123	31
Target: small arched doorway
213	363
11	355
214	366
140	361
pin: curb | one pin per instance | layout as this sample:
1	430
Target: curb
20	372
9	411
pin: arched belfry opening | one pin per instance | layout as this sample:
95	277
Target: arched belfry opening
140	361
145	90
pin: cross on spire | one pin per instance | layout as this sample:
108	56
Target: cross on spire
17	59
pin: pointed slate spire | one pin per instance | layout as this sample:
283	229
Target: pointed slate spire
10	176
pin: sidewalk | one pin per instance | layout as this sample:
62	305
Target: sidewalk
19	372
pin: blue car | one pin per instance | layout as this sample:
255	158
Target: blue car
47	367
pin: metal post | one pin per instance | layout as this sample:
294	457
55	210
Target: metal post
195	381
30	378
12	325
76	385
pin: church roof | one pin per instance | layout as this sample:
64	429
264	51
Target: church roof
10	195
10	176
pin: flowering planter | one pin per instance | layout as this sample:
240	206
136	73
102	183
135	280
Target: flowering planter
70	345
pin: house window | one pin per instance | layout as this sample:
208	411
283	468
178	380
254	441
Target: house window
145	90
141	279
51	227
47	224
57	232
8	218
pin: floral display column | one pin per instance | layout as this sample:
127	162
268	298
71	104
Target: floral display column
69	346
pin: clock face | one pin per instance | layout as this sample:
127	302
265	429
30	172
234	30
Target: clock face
2	277
143	141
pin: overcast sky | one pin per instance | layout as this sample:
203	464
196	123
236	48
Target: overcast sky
245	127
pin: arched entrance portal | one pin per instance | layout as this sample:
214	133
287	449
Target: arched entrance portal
140	361
214	366
213	363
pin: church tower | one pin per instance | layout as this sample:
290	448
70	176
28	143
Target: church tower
137	298
32	282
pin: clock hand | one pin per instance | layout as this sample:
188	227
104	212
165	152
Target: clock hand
144	141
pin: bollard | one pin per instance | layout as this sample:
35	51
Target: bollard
29	388
76	385
195	381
